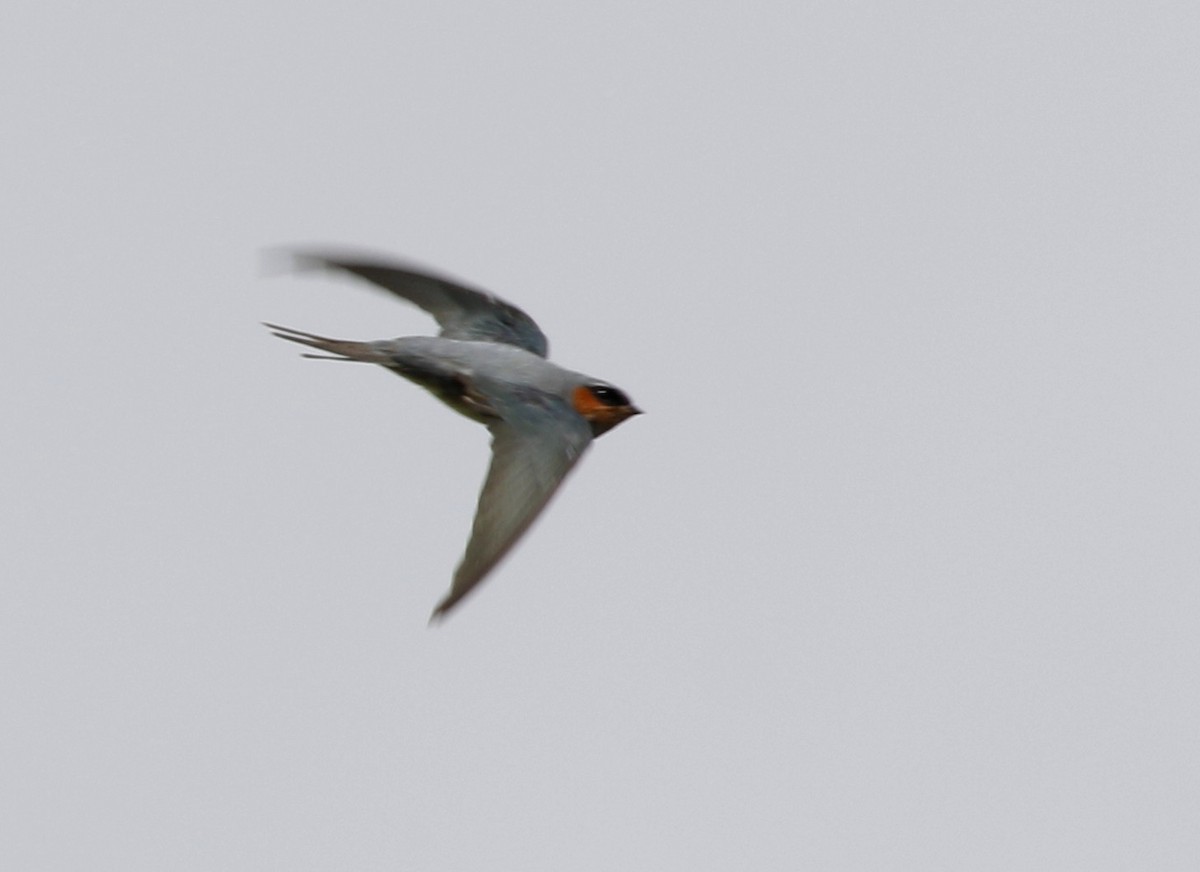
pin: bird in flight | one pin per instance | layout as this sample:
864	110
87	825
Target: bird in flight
488	363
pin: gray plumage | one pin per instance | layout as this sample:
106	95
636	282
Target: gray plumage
488	364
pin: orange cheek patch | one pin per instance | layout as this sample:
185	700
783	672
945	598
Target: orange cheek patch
586	404
600	416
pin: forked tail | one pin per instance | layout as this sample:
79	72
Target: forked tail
344	349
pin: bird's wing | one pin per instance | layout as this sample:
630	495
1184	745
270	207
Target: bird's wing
534	445
462	312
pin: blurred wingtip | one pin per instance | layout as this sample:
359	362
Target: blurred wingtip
279	260
443	608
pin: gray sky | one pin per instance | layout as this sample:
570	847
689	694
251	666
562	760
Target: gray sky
898	572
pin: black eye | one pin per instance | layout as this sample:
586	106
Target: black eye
608	395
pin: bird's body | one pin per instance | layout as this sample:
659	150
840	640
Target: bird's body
489	365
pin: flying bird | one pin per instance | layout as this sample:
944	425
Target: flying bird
488	363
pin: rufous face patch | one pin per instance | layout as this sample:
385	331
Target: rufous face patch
602	406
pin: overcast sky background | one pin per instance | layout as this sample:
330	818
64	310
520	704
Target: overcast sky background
899	570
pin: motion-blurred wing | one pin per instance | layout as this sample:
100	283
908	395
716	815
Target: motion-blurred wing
536	444
461	312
